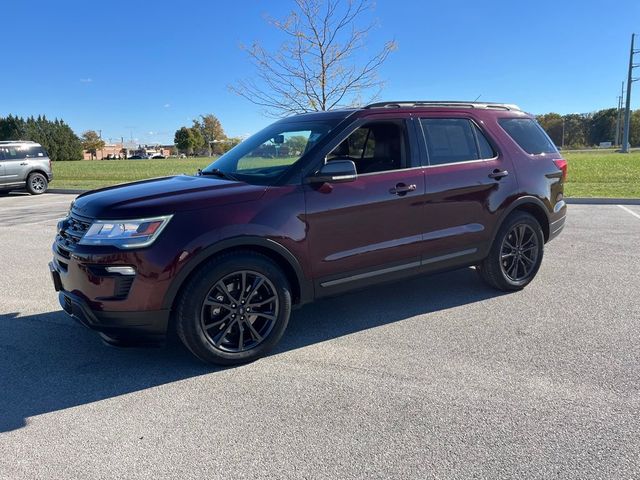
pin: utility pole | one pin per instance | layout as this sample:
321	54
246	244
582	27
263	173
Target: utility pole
627	110
618	140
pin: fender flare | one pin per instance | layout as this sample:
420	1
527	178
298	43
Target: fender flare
527	200
304	285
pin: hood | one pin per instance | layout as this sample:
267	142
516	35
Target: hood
163	196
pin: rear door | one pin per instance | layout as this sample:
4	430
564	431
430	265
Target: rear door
467	180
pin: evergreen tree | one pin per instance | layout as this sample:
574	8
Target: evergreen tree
55	136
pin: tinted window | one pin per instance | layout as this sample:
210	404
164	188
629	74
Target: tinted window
375	147
486	150
35	152
528	134
449	140
12	153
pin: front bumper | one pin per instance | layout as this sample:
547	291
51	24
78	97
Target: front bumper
145	326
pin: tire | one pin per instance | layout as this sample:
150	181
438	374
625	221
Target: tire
37	183
221	322
516	253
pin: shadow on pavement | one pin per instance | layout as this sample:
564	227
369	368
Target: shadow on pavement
49	363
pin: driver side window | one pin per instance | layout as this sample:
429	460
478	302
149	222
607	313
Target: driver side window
375	147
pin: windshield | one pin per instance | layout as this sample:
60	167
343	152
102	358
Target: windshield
266	155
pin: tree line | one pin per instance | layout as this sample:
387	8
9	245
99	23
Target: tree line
54	135
205	137
588	129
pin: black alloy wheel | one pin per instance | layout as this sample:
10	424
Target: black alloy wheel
240	311
234	309
519	253
515	255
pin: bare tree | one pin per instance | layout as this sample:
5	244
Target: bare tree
323	63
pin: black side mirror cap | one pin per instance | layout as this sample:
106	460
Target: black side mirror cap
335	171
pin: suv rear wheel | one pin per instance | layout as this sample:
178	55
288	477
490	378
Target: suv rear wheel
234	309
37	183
516	253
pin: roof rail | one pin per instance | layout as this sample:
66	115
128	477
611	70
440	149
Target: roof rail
443	103
16	141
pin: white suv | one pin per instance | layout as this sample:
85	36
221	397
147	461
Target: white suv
24	164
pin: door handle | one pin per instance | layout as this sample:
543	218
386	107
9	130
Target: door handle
402	189
498	174
23	164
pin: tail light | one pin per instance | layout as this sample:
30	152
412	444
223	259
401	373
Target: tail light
561	163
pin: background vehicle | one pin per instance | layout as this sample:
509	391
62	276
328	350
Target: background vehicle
343	200
24	164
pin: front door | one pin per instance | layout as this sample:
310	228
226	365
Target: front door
367	228
14	162
2	169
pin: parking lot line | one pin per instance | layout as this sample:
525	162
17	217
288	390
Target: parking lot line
629	211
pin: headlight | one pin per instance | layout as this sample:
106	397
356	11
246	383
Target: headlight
125	233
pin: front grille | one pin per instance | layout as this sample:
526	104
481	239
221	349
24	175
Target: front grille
71	231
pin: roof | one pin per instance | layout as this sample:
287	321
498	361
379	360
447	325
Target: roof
323	115
443	103
18	142
343	113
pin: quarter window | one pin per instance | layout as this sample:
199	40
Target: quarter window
529	135
452	140
35	152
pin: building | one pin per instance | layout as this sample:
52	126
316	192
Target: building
120	150
113	150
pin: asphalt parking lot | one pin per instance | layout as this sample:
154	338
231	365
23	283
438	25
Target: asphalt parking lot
436	377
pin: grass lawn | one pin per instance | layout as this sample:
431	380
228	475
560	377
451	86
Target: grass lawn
90	174
591	174
603	174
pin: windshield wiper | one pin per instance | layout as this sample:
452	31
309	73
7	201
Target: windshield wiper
215	172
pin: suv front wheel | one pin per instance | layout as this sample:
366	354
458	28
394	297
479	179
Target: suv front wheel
516	253
234	309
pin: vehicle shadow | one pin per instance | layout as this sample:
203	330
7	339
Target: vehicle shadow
49	363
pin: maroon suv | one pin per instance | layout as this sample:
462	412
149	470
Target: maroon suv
311	206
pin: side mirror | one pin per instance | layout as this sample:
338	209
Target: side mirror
335	171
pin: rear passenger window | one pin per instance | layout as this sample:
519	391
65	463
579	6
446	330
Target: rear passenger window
486	150
12	153
528	134
451	140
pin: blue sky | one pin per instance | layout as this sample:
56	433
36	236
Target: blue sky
143	69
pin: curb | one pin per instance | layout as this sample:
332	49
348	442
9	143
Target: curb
65	190
602	201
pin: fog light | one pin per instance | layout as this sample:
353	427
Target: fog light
121	270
